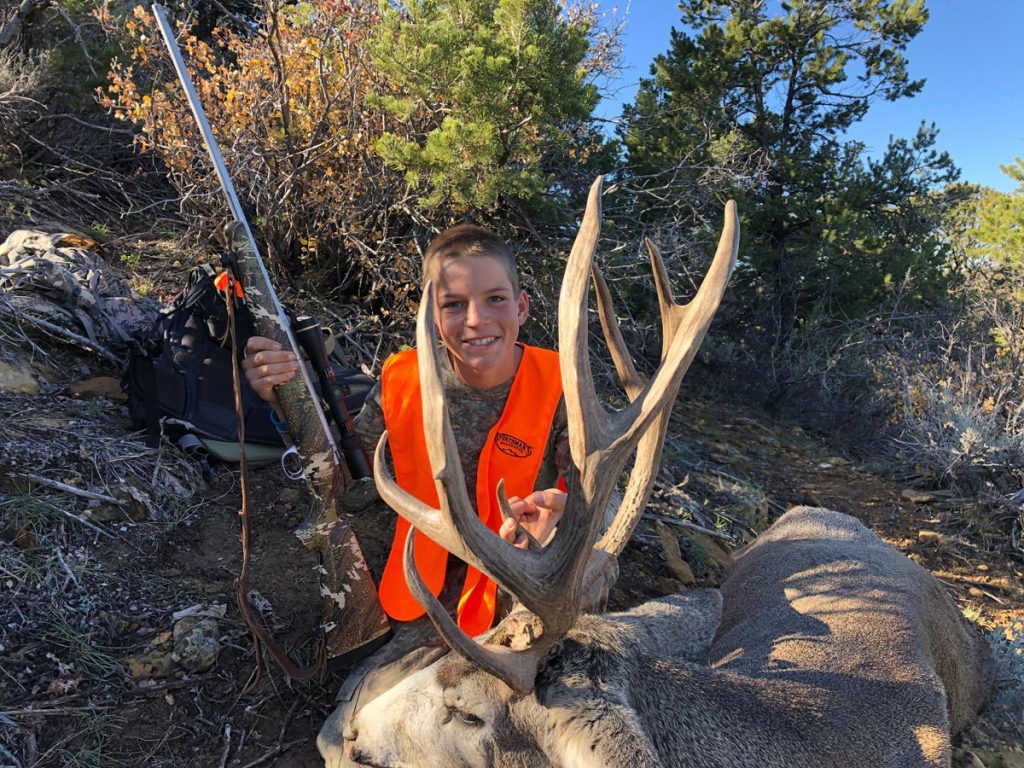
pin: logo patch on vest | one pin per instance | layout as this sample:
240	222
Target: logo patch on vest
512	446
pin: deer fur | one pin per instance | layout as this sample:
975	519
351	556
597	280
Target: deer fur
832	649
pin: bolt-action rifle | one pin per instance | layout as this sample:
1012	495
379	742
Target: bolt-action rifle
352	616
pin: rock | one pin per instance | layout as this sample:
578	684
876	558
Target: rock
711	548
746	421
289	497
106	513
975	592
359	496
810	497
153	665
935	538
916	497
833	461
98	386
196	643
65	685
13	379
678	568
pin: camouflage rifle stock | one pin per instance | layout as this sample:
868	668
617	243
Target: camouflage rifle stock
352	615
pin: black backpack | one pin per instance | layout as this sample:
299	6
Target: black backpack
179	382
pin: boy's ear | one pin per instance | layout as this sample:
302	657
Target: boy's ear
523	305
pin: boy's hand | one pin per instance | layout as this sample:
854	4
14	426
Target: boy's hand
266	365
538	514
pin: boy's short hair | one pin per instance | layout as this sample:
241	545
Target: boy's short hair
470	241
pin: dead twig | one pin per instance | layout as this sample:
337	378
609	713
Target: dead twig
280	748
70	336
690	526
953	580
75	119
13	27
9	756
86	523
227	745
273	752
71	577
73	490
80	39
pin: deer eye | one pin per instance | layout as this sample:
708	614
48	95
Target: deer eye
464	717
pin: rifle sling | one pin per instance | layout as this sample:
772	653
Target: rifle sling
261	636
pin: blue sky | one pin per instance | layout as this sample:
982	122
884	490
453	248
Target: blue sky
969	53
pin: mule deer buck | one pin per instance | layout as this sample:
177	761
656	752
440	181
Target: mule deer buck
825	647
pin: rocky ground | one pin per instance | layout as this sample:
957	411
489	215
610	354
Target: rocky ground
121	644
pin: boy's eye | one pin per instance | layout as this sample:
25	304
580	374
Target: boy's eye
496	299
453	305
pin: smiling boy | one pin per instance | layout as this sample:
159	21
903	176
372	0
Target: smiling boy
504	401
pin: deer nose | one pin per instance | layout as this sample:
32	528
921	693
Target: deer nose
361	758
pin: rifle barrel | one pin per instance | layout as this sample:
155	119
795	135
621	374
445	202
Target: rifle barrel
213	149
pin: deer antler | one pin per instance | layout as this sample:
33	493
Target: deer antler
551	582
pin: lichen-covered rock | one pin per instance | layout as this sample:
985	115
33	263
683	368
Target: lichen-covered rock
196	643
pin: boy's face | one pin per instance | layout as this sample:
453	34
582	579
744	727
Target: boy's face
478	314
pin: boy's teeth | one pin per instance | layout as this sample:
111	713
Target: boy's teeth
480	342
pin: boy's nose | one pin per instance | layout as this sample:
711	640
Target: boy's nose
474	313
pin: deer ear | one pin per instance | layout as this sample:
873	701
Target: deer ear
619	741
682	625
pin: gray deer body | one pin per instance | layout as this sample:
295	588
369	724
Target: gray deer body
833	649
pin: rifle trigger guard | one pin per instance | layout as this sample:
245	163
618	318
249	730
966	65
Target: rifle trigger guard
291	464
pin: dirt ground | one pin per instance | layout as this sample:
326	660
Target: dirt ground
67	699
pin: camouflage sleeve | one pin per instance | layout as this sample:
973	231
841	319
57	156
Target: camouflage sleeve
560	439
370	421
556	452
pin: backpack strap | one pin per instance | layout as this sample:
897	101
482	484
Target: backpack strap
152	409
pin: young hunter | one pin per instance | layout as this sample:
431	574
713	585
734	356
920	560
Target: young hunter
505	404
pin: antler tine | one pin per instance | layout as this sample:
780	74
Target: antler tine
630	379
673	317
638	488
518	670
670	310
432	522
691	322
582	406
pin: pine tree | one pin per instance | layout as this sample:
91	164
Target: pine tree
491	89
741	88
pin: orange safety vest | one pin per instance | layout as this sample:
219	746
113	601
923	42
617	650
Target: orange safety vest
513	450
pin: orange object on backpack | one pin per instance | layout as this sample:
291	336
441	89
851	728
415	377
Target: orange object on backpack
221	282
513	450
